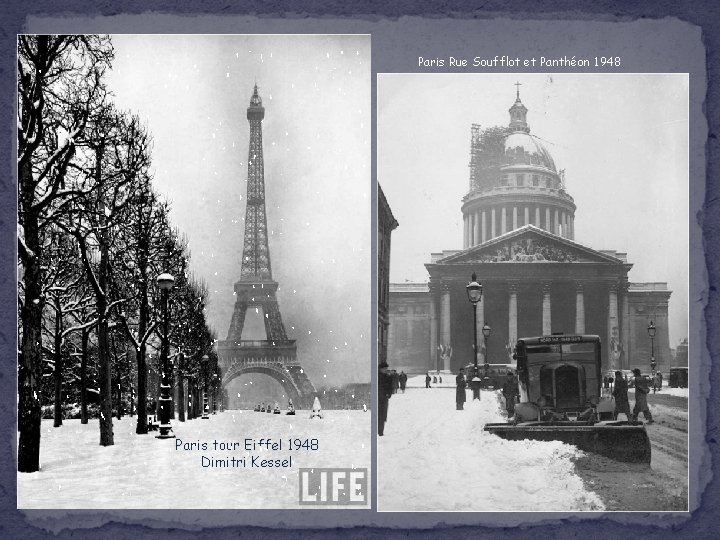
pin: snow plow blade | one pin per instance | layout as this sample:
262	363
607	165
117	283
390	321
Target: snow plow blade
621	441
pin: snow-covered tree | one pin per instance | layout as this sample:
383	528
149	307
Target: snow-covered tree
60	83
116	162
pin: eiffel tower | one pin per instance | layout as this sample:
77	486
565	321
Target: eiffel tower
276	355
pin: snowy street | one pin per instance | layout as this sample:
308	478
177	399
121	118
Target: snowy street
140	471
435	458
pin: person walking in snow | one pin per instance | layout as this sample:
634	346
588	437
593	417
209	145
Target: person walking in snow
385	391
620	393
403	381
395	381
510	391
427	380
460	390
642	389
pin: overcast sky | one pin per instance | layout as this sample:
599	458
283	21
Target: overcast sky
622	140
193	92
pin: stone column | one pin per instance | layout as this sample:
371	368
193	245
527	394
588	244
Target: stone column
515	213
556	223
546	310
512	312
445	320
472	229
433	362
548	225
561	229
484	226
537	216
579	308
476	234
466	241
624	326
492	225
527	215
478	328
503	218
613	338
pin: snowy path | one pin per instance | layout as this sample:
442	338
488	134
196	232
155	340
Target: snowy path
434	458
140	471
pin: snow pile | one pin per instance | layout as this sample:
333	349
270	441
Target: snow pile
435	458
140	471
679	392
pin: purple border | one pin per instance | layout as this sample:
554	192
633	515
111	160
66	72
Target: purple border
704	14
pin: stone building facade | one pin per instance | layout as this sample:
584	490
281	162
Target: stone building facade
386	224
519	229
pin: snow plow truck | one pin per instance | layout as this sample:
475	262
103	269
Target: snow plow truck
559	381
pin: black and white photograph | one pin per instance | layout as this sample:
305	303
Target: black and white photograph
194	271
533	244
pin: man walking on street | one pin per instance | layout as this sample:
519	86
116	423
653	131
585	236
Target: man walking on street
642	389
510	391
460	390
620	393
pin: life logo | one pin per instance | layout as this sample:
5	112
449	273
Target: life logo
333	486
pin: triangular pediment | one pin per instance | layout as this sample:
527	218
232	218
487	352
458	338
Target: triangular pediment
530	244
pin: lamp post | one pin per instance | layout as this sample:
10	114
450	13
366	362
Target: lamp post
191	397
474	292
651	329
165	283
486	330
215	383
205	359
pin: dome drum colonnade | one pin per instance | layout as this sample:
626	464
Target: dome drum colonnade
526	189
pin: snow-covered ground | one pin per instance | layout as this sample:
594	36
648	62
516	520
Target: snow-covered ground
435	458
140	471
680	392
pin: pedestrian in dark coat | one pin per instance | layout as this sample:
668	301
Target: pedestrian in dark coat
642	389
510	391
460	390
403	381
620	393
385	391
427	380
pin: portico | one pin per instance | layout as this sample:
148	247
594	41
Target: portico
534	283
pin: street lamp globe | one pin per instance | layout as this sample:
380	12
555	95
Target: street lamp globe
651	329
486	330
474	290
165	281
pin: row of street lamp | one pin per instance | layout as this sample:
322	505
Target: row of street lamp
165	282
